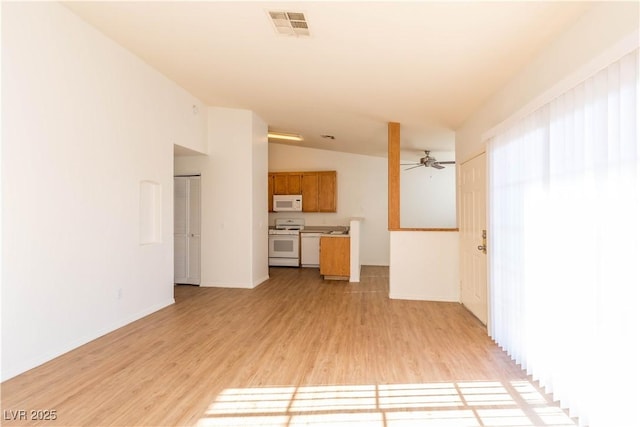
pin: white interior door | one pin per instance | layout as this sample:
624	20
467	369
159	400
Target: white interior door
186	238
473	223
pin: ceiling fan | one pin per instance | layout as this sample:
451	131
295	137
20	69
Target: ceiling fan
428	161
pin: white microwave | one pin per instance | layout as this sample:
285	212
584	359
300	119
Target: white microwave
287	203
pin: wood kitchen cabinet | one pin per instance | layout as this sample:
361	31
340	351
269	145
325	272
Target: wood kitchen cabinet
327	193
318	189
310	192
279	184
335	257
286	183
294	183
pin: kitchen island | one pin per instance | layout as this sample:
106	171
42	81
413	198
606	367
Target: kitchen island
335	256
340	258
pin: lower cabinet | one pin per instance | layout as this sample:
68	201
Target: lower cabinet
335	256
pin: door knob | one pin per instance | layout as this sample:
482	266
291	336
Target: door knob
483	246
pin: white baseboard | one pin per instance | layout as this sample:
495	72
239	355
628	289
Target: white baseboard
259	282
423	298
226	285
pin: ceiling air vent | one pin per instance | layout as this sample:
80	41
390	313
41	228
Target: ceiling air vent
290	23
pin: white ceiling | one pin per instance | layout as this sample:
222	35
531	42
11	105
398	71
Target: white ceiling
427	65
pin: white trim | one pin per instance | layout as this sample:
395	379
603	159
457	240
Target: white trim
487	200
260	281
227	285
626	45
423	297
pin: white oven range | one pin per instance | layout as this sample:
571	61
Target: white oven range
284	242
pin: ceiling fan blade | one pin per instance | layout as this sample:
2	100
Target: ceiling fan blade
410	164
437	165
452	162
416	166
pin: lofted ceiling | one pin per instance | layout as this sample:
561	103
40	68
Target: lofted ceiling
426	65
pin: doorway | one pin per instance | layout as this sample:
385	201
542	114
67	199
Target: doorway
186	229
473	226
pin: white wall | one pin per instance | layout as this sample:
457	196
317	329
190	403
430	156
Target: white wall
428	195
234	199
362	192
424	266
83	123
599	28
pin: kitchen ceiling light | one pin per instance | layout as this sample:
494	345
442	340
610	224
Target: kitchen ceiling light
285	136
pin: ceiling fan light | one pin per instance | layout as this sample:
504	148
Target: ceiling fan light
428	161
285	136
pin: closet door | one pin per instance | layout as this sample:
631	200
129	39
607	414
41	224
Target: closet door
186	228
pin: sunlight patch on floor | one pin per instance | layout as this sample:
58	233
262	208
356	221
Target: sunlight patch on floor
447	404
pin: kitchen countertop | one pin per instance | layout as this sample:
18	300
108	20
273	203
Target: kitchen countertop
326	230
340	234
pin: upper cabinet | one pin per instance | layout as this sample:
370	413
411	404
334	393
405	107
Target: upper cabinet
327	191
310	191
286	183
318	189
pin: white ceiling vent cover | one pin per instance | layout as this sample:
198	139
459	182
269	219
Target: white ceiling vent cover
290	23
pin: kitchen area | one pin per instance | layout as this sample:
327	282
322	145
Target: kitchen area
296	239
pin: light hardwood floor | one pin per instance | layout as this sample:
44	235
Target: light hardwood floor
294	351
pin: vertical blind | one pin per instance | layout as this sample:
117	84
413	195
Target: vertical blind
564	227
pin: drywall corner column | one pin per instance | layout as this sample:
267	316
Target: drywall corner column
226	208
